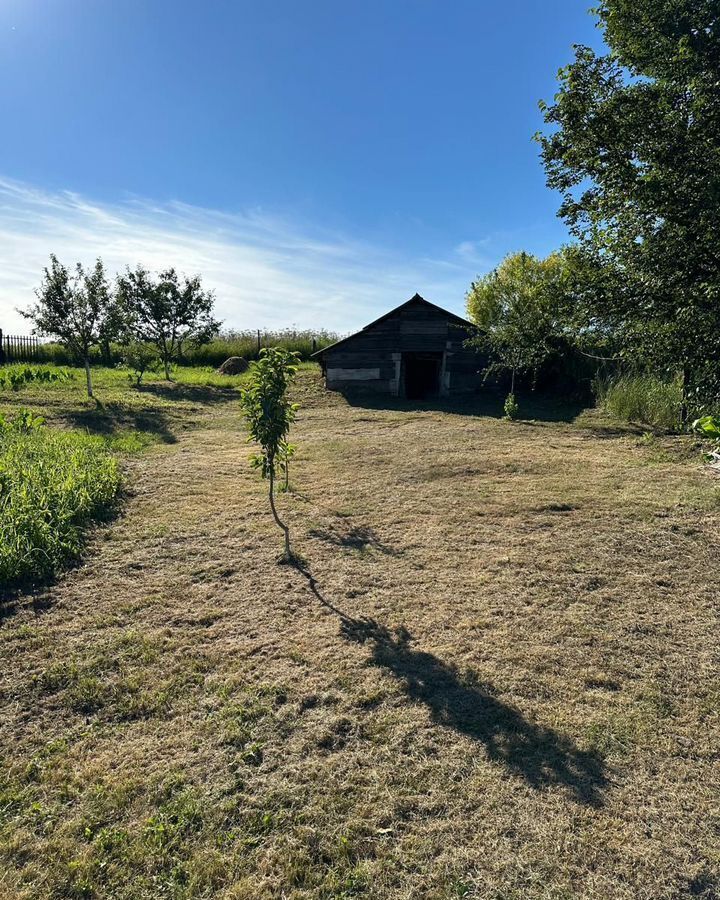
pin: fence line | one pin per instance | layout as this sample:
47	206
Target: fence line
18	348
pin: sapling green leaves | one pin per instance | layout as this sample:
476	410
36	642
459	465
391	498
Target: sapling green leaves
269	413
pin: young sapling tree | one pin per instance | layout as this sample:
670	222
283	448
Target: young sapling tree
140	358
269	415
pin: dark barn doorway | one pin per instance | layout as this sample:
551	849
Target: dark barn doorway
421	374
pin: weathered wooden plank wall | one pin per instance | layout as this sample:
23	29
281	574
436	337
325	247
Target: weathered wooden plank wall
371	360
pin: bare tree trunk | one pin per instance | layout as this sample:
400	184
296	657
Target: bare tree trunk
281	524
166	363
88	376
512	382
684	411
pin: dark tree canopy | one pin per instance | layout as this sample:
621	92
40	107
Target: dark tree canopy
634	147
168	311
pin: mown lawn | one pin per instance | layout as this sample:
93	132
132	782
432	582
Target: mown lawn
502	684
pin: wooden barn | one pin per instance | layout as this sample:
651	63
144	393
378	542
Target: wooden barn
415	351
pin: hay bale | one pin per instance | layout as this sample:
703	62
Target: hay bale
235	365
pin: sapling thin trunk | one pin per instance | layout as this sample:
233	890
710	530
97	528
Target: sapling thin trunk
88	376
281	524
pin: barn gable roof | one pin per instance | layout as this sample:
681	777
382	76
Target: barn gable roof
415	299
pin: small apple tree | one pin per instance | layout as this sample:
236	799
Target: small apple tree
269	414
77	309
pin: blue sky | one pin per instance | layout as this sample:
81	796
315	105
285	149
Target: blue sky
317	161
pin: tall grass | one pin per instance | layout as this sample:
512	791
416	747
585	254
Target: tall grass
646	399
246	344
231	343
52	485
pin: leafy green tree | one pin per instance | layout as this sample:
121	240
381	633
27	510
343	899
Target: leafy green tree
76	309
168	312
520	310
269	415
633	147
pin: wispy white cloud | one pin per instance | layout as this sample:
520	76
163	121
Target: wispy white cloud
265	271
474	252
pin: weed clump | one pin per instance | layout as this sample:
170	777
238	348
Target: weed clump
52	485
647	399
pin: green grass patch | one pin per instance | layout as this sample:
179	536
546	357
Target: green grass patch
14	377
645	399
53	484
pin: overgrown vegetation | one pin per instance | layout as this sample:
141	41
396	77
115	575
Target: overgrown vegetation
645	399
14	377
248	344
52	485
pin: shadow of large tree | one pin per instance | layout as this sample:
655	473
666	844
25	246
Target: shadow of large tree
536	753
541	407
108	419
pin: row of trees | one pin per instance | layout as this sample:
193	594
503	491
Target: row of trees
86	312
633	146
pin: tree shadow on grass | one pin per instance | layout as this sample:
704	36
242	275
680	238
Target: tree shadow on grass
487	402
536	753
107	420
206	394
358	537
16	599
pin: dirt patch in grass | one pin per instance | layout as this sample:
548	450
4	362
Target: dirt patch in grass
501	680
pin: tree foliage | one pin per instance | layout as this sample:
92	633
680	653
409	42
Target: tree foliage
76	309
169	311
269	413
520	309
634	148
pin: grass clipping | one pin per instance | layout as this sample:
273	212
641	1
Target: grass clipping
52	485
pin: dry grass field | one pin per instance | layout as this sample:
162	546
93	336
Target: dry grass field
501	682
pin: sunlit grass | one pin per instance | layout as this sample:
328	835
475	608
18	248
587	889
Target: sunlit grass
52	484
